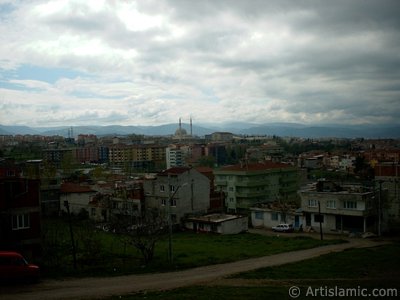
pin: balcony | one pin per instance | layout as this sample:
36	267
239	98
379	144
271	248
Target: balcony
221	182
252	183
249	194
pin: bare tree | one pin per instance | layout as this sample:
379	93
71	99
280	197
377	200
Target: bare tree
150	227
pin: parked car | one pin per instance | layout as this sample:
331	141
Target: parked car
14	267
283	228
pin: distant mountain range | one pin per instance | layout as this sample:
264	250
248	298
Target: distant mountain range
278	129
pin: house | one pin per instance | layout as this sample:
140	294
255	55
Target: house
246	184
267	215
76	196
217	223
20	222
180	191
125	201
340	209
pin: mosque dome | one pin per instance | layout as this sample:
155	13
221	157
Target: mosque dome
180	132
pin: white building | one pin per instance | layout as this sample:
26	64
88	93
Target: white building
342	209
271	214
218	223
175	156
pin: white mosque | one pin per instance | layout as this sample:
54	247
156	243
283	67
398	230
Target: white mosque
181	133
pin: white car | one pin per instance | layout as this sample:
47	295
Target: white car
283	228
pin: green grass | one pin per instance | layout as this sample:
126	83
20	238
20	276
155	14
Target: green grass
351	263
367	268
192	250
105	254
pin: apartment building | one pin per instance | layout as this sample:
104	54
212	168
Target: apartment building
175	156
247	184
136	155
387	178
340	209
180	191
20	225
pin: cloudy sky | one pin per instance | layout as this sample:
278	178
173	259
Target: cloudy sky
151	62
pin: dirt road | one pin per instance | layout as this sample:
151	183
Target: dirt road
90	288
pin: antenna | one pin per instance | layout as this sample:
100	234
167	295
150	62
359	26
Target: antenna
191	126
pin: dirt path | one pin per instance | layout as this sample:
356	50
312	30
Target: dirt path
90	288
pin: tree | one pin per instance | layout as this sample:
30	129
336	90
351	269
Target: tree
151	226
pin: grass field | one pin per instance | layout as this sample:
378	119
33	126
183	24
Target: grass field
355	269
377	262
103	254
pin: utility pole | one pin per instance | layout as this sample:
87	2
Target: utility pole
170	198
320	220
66	204
380	207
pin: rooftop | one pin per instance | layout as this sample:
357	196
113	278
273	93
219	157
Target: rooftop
215	218
267	165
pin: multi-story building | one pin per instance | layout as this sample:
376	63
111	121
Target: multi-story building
175	156
339	208
220	137
180	191
86	154
20	226
247	184
218	152
55	157
138	156
387	178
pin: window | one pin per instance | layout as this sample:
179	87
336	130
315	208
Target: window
173	202
231	199
20	222
162	188
172	188
312	203
259	215
163	201
231	189
350	204
274	216
93	211
331	204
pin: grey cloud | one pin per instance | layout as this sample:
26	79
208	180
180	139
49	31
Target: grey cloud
312	57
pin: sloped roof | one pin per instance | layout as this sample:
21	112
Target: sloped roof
70	187
255	166
174	171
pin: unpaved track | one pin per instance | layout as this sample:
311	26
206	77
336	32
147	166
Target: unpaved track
94	288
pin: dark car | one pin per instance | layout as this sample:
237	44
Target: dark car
15	268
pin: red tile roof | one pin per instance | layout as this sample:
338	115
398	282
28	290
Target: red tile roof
70	187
